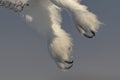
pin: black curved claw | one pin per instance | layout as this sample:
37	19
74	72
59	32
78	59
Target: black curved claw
69	67
88	36
27	4
85	34
69	62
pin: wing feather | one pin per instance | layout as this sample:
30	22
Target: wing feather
15	5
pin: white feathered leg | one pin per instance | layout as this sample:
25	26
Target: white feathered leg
60	42
85	21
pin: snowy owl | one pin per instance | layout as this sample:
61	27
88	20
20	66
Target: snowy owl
60	42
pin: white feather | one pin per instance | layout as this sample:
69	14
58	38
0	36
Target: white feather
48	12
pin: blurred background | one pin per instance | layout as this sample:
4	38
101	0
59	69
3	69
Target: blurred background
24	54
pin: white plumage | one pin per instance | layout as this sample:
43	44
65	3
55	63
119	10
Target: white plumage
60	43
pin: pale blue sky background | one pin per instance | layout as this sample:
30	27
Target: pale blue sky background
24	55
